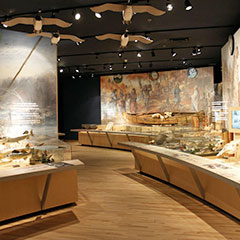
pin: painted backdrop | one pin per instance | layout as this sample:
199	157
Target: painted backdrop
27	85
231	72
155	92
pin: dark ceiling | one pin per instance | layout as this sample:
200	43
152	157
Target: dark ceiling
207	26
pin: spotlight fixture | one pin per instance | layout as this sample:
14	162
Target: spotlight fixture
4	25
61	70
73	77
188	5
92	75
169	5
135	40
184	62
59	59
194	52
139	54
77	70
77	15
80	76
98	15
199	51
153	54
120	54
173	53
78	43
139	65
124	65
110	67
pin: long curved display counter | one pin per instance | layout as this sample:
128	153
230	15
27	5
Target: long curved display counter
213	180
110	139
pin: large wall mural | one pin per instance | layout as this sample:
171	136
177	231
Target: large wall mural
155	92
231	71
27	85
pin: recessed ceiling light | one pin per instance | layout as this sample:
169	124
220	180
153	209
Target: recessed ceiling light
120	54
169	6
188	5
98	15
124	65
61	70
73	77
139	54
77	16
59	59
77	70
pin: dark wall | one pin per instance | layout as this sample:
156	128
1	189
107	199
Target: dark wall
78	103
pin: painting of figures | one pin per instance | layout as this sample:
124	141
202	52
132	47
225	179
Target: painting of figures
27	85
155	92
231	71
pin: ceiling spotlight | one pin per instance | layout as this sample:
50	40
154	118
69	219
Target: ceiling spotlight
173	53
139	65
124	65
80	76
92	75
77	15
184	62
194	52
77	70
139	54
98	15
73	77
188	5
120	54
59	59
78	43
169	6
135	40
199	51
153	54
110	67
61	70
5	25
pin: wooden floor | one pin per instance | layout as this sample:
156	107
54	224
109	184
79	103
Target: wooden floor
117	203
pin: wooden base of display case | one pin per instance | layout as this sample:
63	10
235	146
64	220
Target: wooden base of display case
212	180
110	139
38	187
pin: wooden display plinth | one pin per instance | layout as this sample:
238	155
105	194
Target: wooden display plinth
211	180
35	188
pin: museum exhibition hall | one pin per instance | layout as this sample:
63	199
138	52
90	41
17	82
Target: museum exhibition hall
120	120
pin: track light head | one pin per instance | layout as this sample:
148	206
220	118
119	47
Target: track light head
73	77
61	70
188	5
139	65
77	70
194	52
169	5
76	14
110	67
139	54
173	53
120	54
124	65
199	51
98	15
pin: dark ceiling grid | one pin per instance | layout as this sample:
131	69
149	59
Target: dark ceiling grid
207	25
